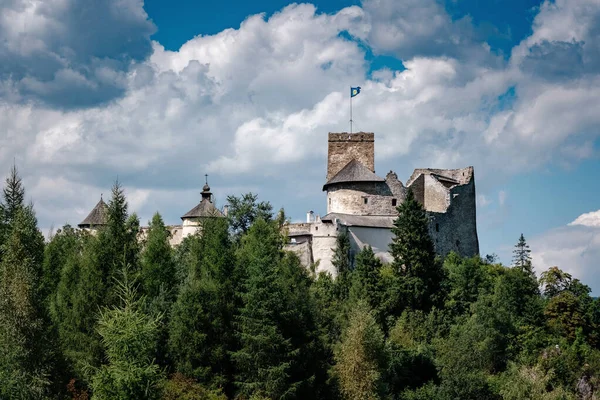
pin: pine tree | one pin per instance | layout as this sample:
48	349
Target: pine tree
24	345
269	354
414	256
13	198
129	337
522	256
342	262
157	264
201	327
87	284
13	195
117	243
56	253
366	282
75	305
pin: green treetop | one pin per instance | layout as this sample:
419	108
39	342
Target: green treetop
414	256
522	255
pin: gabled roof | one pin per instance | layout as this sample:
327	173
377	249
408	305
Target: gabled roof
97	216
354	171
204	209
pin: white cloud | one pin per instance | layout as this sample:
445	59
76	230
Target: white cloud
574	249
258	101
591	219
70	54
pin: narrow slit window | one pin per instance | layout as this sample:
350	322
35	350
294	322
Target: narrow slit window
437	227
365	200
394	202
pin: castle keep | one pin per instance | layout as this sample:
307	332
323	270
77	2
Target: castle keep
363	204
360	203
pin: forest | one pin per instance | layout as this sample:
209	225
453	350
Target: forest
229	314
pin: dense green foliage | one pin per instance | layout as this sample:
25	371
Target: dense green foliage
229	313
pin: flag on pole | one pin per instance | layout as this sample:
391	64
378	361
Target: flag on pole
354	91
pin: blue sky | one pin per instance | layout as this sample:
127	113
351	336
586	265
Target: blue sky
160	93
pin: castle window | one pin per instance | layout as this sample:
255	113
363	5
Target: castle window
457	243
394	202
316	228
437	227
330	201
365	200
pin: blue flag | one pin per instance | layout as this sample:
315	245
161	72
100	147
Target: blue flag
354	91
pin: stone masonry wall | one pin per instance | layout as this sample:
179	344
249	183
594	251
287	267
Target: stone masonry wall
456	229
344	147
349	198
364	198
436	196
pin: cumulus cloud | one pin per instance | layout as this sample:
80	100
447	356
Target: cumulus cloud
69	53
574	248
410	28
257	101
591	219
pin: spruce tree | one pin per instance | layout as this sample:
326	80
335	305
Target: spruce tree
522	256
24	344
366	281
414	256
129	337
201	330
342	262
117	243
158	278
267	361
74	307
13	195
13	198
56	253
157	264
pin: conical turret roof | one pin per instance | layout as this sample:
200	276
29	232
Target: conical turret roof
354	171
97	216
205	208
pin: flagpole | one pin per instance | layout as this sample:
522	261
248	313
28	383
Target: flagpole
350	111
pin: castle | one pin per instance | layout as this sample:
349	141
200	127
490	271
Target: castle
363	205
360	203
190	221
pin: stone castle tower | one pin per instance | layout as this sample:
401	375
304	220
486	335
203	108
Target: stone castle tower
364	205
